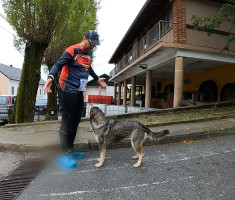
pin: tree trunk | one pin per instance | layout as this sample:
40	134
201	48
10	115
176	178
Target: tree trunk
29	81
52	108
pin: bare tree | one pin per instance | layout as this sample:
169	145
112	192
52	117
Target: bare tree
35	22
80	18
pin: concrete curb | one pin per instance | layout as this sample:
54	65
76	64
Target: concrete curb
91	145
21	134
191	121
85	126
167	140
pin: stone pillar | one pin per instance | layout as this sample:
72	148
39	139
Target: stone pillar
115	92
148	88
179	82
119	93
125	93
133	84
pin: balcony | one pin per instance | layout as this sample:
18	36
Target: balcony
162	31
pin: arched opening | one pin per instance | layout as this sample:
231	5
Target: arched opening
228	92
169	95
209	91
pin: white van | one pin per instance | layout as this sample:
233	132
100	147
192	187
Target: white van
6	107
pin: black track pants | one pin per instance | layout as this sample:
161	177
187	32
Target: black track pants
72	108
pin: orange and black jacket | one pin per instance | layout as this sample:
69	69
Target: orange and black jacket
75	65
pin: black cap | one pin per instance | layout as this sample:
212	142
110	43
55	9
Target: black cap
93	37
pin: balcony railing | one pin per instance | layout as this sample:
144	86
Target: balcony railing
151	39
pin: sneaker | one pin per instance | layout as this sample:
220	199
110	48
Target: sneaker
67	161
76	155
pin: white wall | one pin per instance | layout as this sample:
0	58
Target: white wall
13	84
91	91
110	91
41	94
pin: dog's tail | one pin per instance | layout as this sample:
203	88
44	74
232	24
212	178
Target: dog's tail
158	135
155	135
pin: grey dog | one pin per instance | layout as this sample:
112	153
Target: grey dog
111	131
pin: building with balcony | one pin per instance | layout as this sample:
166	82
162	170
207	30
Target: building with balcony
165	63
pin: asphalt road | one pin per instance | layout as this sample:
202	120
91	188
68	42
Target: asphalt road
187	170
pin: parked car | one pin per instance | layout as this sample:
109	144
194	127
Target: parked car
7	103
41	105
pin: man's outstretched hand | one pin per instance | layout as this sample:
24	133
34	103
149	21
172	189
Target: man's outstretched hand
48	85
101	82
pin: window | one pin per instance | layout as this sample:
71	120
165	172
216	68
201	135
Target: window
13	100
168	15
12	90
4	100
167	18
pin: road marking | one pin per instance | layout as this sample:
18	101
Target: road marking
114	189
125	165
166	159
162	160
94	159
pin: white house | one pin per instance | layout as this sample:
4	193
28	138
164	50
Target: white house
93	88
9	82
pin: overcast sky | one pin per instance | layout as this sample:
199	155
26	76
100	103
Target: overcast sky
114	17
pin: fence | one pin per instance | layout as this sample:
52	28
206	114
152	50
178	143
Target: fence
40	111
5	113
116	110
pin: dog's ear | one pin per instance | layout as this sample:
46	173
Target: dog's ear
93	111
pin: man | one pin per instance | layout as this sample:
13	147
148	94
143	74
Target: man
75	64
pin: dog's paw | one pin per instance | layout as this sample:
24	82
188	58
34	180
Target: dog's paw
98	165
136	165
135	157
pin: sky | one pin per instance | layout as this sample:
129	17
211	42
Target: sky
114	19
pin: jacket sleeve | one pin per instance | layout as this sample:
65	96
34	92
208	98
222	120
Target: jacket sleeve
66	58
93	74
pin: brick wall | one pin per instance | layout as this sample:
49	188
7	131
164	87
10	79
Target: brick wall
179	17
